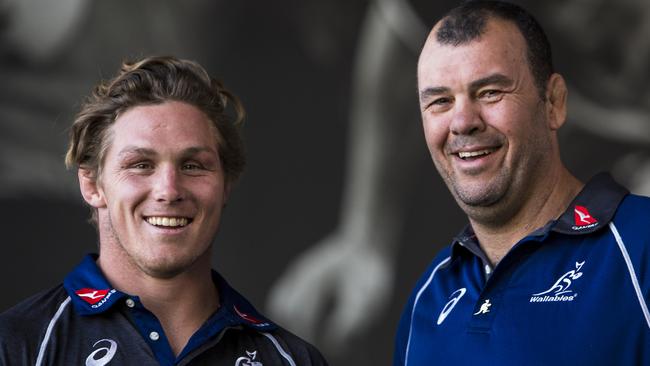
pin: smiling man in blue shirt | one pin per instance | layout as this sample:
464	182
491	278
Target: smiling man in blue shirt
549	271
157	154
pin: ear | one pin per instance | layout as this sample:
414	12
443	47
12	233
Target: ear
556	101
90	189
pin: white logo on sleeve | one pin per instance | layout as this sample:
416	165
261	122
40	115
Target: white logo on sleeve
106	353
248	361
485	308
560	290
450	304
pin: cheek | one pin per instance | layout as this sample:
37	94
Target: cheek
127	192
435	134
509	122
212	192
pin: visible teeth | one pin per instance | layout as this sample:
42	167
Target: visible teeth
470	154
167	221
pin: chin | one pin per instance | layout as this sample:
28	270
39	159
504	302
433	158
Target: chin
166	267
476	200
163	271
482	192
491	209
478	196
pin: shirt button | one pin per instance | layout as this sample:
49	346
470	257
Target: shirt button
154	336
130	303
488	270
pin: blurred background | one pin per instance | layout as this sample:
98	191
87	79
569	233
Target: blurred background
340	209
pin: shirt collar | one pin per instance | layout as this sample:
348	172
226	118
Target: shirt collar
466	241
236	308
593	208
89	289
92	294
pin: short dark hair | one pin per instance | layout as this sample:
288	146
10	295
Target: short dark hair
468	21
155	80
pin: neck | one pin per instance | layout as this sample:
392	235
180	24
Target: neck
547	203
181	303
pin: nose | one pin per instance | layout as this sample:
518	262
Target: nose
466	119
167	185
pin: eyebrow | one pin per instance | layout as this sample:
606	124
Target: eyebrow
198	149
433	91
143	151
134	150
494	79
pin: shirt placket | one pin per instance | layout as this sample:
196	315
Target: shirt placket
150	329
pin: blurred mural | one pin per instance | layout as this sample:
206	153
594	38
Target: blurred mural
340	208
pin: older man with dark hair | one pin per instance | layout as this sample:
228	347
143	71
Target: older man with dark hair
549	271
157	153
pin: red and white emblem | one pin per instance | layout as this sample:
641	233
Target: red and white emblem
91	295
583	217
247	317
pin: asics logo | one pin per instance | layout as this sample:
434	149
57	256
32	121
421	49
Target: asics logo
106	353
455	297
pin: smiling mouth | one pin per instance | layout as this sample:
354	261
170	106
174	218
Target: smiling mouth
167	221
470	155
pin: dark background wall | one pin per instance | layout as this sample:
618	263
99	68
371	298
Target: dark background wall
291	63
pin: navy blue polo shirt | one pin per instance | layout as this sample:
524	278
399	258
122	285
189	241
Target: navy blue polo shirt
87	321
573	292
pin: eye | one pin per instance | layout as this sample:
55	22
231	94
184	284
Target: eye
191	166
141	166
490	95
439	104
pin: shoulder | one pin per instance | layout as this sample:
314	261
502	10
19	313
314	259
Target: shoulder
634	206
632	219
302	352
404	326
23	326
433	271
34	311
290	348
443	257
439	262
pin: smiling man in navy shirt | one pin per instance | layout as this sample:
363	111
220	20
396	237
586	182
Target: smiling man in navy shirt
157	154
549	271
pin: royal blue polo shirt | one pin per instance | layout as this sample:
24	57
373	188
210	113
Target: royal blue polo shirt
573	292
85	321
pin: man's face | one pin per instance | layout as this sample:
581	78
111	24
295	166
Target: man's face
162	188
483	118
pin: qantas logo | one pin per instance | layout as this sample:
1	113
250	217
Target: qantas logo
95	298
90	295
583	219
250	318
